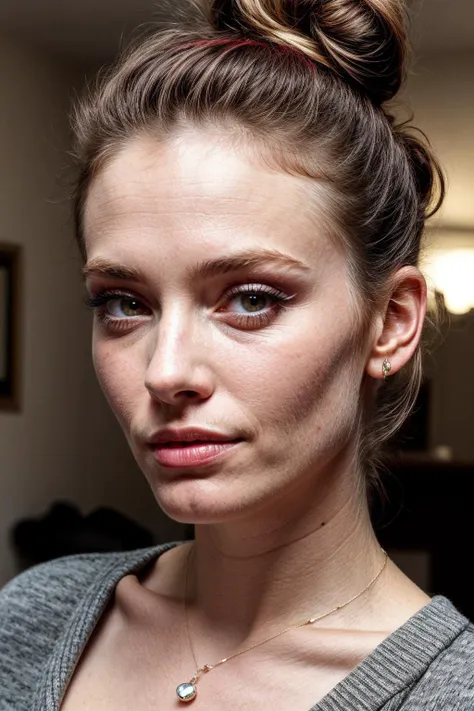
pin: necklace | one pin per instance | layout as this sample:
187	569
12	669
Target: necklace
188	690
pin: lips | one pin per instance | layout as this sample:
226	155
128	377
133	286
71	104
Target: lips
187	435
183	443
191	447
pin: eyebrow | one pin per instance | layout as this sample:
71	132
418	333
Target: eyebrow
248	259
103	267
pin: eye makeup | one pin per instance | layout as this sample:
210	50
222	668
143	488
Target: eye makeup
257	306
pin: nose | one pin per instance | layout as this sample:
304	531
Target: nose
177	371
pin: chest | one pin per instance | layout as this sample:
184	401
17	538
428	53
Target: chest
127	667
257	690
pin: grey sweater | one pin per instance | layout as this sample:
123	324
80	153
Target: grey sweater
48	613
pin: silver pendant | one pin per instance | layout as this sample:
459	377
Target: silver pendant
186	692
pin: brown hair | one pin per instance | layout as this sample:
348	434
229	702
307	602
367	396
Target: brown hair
305	81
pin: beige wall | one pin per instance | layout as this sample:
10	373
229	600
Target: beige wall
63	444
441	92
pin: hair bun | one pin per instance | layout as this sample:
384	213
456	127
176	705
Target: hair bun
364	41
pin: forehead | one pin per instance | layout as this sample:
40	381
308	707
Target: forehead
199	187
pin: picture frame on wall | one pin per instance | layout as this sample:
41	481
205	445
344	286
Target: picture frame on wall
10	289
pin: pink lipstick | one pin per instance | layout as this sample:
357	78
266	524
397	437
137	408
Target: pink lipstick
190	447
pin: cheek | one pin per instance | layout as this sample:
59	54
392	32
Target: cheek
306	383
114	368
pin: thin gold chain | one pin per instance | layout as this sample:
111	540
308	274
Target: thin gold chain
308	621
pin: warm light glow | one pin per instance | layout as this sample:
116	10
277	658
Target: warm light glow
452	274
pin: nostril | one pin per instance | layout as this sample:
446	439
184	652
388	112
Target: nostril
173	391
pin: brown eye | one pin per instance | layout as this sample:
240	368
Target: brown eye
125	307
253	306
254	302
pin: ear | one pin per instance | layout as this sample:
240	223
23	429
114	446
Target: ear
397	329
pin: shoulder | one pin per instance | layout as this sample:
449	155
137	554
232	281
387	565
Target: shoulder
448	682
60	573
456	663
37	606
47	593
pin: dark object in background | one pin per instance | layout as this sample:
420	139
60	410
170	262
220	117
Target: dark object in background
428	508
63	530
414	435
189	532
10	326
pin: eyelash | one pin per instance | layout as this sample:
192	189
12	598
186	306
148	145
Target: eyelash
259	320
280	301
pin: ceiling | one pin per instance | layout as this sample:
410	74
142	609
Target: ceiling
91	30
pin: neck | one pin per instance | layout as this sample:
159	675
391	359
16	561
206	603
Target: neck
244	578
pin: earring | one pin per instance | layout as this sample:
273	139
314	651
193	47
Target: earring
386	368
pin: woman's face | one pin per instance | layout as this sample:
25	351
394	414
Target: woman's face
221	303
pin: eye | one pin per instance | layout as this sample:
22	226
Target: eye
125	307
255	301
256	305
113	307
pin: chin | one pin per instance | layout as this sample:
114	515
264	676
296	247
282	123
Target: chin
196	501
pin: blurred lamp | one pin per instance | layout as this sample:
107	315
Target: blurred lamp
449	266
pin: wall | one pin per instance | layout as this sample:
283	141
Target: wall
441	93
64	444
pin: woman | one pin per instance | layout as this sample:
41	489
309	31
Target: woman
250	218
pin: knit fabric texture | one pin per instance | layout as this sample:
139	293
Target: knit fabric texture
48	613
